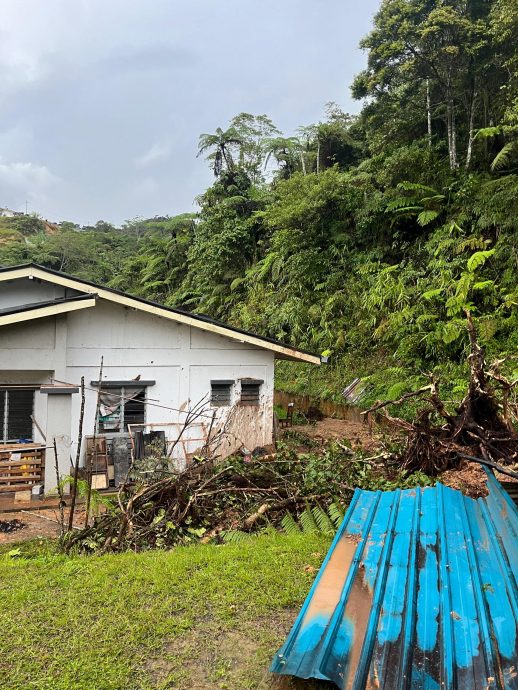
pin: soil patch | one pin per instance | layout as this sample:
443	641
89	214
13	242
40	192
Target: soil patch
36	524
211	657
470	479
357	433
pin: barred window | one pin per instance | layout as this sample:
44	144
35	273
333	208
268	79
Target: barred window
221	393
16	409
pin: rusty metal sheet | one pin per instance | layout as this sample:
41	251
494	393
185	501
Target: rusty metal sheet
418	592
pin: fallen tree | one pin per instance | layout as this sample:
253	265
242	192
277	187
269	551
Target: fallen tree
479	430
203	501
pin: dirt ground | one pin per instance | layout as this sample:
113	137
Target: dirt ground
42	524
469	479
358	433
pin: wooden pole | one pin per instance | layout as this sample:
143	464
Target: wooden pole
94	445
60	491
78	456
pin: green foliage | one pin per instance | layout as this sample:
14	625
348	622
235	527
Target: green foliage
365	237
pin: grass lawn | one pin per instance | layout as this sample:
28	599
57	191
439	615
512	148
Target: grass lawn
203	617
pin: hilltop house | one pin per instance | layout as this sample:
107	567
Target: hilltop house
157	364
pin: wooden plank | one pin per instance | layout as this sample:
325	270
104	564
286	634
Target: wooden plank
20	478
15	487
20	446
21	471
19	463
23	455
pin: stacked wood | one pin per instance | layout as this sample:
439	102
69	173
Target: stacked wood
22	465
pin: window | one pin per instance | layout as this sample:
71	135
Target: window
16	408
221	393
120	407
250	391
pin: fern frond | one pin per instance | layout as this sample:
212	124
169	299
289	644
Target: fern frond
236	536
504	156
336	513
290	525
426	217
307	521
323	520
479	259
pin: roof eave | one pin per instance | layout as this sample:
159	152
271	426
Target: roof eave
280	350
46	311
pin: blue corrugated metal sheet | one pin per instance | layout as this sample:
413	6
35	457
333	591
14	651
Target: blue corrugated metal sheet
418	592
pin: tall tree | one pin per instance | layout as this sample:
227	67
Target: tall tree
220	147
440	45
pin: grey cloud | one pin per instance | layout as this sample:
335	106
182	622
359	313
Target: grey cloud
110	97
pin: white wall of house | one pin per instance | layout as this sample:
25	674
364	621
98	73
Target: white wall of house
182	360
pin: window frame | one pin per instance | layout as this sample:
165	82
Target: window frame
256	383
224	383
4	421
119	391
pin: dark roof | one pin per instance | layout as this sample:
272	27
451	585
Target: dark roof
181	312
20	308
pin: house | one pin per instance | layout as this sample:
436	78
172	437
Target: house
160	366
9	213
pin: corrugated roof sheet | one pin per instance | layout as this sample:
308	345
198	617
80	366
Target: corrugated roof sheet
418	592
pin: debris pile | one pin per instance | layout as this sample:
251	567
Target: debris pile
209	498
480	430
8	526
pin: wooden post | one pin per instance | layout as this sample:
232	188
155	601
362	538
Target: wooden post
78	455
94	445
60	492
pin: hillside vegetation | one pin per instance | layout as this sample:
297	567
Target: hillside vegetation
366	237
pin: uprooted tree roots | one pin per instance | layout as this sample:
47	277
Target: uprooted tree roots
480	429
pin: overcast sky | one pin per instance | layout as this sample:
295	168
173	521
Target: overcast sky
102	101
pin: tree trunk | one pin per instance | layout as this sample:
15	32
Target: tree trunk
429	112
454	161
318	154
303	163
452	133
448	128
469	151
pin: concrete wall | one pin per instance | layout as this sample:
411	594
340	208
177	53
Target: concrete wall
181	359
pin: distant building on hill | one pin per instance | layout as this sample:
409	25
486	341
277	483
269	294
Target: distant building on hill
9	213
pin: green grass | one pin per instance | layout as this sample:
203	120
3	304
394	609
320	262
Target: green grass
201	617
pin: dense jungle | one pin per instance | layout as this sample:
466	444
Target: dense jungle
363	237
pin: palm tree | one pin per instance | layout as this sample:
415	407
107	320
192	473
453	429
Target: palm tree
220	146
288	153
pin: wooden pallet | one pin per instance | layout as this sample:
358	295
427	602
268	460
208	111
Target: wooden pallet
22	465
